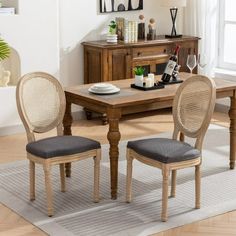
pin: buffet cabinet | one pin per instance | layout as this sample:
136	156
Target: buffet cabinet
105	62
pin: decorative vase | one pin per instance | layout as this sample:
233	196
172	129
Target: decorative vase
4	76
138	80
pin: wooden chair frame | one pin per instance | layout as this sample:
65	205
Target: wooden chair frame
179	132
60	160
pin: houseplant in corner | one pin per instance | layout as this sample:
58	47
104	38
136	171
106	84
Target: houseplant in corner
4	53
139	71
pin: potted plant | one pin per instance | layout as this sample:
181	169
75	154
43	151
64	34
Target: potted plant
112	27
139	71
4	50
4	53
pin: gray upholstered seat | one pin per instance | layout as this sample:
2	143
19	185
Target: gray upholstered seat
164	150
61	146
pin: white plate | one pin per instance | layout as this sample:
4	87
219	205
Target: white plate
102	87
112	91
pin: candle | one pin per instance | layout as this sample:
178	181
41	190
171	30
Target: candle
151	78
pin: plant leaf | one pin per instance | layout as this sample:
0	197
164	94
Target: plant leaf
4	50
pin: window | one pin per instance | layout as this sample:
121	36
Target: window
227	43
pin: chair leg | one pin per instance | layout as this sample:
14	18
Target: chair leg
32	180
63	179
129	177
197	187
165	173
173	183
48	185
96	176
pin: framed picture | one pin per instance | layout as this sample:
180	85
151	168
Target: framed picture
107	6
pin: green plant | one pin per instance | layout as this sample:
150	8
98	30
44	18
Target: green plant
112	26
4	50
139	70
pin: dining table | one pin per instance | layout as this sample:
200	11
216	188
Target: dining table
131	100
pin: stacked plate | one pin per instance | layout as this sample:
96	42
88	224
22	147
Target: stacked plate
104	88
112	38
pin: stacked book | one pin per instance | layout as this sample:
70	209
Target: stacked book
7	10
131	32
127	30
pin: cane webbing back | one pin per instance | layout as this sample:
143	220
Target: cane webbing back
193	105
41	101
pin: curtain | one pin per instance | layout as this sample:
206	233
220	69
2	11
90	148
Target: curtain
201	19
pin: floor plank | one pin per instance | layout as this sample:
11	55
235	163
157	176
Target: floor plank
12	148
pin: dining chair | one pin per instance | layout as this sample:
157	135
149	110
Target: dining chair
41	106
193	106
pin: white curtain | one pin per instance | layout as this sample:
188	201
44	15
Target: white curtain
201	19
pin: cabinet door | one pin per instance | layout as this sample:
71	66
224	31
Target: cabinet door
188	47
92	65
119	64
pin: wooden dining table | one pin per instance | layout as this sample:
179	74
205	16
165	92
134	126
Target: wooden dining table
130	100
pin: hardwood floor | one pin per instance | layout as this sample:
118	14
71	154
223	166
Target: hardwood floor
12	148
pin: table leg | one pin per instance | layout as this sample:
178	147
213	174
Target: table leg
67	122
113	137
232	130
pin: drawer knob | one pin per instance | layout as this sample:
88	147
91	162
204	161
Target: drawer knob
139	53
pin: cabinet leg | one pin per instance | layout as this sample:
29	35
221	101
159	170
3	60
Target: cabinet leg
88	114
104	119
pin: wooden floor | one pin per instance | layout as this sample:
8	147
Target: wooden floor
12	149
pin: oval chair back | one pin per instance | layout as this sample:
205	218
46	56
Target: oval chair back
193	107
40	102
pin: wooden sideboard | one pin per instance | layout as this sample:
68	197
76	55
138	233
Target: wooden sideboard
106	62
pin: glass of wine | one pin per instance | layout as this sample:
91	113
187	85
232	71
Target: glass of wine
191	62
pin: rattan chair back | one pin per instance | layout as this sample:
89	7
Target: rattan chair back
193	107
40	102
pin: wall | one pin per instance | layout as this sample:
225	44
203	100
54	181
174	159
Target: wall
33	33
48	35
80	21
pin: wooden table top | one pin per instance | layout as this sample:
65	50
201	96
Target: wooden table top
129	96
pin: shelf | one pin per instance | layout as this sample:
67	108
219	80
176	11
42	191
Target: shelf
11	3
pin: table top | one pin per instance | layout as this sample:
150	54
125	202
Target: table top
129	96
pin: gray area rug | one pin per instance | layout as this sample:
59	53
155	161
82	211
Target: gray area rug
76	214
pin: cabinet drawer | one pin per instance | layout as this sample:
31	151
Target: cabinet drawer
152	51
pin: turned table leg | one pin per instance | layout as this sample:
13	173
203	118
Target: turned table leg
114	138
67	122
232	130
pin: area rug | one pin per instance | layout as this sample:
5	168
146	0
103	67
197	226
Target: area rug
76	214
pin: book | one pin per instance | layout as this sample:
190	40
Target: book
7	10
126	31
120	22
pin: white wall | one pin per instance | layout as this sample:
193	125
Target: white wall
47	34
81	21
33	33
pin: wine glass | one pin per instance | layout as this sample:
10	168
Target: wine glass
202	61
191	62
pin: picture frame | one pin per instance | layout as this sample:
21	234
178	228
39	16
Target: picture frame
108	6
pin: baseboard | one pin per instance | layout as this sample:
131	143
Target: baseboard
221	108
10	130
17	129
